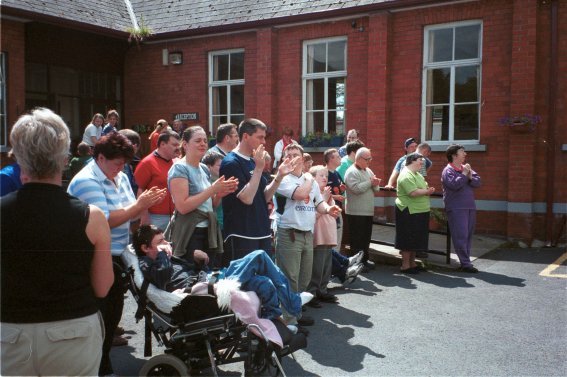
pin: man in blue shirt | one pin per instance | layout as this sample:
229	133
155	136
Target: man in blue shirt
246	221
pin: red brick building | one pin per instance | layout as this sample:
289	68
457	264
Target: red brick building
439	71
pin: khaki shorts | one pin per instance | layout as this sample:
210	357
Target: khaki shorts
62	348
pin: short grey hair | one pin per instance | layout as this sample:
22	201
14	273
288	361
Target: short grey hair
40	141
360	152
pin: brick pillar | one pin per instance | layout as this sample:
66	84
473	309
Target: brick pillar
266	84
521	176
377	93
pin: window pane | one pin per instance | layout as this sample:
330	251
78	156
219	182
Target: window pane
315	121
219	100
437	123
440	45
237	66
315	94
236	119
467	42
336	121
217	121
466	84
336	93
337	53
237	99
438	85
316	58
466	122
220	67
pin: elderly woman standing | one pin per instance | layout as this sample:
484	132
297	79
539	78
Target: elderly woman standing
459	181
194	225
52	271
412	213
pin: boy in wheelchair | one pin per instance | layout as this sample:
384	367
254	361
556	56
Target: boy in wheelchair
255	272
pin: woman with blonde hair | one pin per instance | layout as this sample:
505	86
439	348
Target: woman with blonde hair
52	272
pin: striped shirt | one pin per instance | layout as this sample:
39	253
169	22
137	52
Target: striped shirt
92	186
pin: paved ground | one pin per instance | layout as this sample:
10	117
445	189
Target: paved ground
505	321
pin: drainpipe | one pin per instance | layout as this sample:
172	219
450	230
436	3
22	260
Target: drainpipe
551	141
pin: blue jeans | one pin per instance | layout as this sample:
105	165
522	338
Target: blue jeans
340	265
256	272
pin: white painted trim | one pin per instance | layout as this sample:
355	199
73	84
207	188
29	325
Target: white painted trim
223	83
131	14
452	65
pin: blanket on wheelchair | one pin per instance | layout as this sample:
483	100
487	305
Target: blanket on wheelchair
245	305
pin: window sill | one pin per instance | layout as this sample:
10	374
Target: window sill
468	147
318	149
564	147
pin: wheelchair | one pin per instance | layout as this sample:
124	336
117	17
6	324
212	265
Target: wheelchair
197	335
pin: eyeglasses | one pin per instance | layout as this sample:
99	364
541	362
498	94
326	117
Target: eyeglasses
367	159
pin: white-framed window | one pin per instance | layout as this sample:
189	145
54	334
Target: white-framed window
226	88
3	114
324	85
452	69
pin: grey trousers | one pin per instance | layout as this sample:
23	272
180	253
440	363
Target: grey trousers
321	272
294	256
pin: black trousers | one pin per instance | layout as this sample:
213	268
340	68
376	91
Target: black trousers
360	234
111	308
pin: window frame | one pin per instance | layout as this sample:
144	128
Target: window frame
452	65
224	83
322	75
4	99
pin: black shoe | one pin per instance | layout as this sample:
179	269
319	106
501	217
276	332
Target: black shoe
421	254
470	269
305	321
368	265
302	330
327	297
420	268
409	271
315	303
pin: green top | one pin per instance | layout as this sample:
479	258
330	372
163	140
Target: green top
345	164
407	183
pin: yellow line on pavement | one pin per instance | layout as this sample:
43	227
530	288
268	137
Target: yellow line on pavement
548	272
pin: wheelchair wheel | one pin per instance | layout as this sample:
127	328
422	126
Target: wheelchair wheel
260	362
164	365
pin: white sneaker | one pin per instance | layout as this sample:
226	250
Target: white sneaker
292	328
356	258
352	272
305	297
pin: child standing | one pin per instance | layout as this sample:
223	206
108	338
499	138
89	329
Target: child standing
324	239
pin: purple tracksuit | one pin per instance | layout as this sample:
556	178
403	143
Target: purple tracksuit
460	207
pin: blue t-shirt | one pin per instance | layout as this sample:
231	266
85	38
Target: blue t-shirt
242	220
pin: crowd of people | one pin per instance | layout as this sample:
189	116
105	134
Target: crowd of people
187	209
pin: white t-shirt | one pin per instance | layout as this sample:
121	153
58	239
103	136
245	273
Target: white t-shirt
297	214
91	130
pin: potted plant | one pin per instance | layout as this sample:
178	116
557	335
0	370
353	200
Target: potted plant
521	123
320	139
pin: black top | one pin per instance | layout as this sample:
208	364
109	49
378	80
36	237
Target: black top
45	257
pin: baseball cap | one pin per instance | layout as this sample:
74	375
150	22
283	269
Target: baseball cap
409	141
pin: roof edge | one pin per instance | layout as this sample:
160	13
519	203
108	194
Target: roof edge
316	16
31	16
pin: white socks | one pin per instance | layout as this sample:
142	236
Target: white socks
305	297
